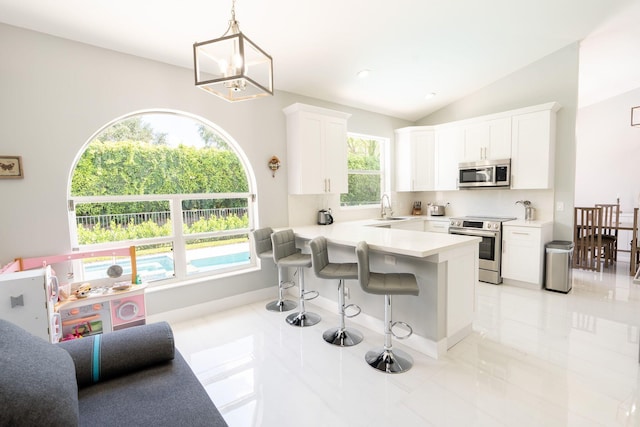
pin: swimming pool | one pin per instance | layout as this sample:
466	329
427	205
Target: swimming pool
156	267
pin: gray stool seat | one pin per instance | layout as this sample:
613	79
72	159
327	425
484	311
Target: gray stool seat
285	254
296	260
264	250
341	336
386	358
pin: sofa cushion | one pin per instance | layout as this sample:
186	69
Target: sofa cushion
37	381
164	395
102	357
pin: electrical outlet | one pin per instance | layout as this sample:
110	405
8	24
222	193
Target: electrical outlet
389	259
347	292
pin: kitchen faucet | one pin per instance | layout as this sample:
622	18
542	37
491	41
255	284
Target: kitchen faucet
383	210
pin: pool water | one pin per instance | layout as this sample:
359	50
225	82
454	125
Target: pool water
155	267
220	260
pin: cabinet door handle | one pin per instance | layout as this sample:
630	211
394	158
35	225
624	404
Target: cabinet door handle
520	233
504	246
329	184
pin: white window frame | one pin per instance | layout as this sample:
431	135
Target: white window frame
177	238
385	167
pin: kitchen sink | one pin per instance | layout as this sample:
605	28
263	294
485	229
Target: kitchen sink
392	218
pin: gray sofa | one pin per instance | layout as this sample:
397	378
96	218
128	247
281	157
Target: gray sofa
131	377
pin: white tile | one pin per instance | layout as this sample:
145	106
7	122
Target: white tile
534	358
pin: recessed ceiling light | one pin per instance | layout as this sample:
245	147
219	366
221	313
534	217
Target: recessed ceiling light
363	74
430	95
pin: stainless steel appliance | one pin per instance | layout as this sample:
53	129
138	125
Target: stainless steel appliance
325	217
484	174
437	210
490	253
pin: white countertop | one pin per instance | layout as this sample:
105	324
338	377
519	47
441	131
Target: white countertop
402	242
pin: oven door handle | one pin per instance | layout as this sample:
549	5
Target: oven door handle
473	233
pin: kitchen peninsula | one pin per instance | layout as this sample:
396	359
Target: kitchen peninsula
445	265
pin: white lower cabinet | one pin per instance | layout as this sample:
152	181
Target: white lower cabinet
411	224
523	252
436	225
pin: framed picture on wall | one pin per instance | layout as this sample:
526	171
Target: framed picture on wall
11	167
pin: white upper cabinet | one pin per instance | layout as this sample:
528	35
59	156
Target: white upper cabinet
316	150
487	140
427	157
449	142
533	138
415	159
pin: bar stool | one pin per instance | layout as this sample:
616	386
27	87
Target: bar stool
324	269
285	254
264	250
386	359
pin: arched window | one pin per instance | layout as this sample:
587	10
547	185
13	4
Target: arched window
175	186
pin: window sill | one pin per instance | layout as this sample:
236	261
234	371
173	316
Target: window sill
196	281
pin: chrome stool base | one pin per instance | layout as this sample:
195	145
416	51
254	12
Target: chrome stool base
303	319
345	337
281	306
389	361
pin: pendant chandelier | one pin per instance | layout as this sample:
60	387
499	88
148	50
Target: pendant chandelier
232	66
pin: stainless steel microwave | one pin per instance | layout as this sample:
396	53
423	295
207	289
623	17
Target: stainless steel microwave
484	173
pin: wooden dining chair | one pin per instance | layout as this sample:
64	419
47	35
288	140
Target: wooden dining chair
634	259
610	223
587	238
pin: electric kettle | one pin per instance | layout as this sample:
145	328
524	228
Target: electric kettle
325	217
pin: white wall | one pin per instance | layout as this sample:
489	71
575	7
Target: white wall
553	78
608	153
55	93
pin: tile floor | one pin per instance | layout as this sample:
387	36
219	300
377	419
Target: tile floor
535	358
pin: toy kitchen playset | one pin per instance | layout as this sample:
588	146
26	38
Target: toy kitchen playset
32	297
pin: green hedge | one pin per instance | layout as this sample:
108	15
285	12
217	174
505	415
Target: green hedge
149	229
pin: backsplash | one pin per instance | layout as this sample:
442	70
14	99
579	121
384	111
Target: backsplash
303	210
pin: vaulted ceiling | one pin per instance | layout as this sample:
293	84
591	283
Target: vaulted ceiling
412	47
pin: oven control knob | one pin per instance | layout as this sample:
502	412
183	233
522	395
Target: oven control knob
495	226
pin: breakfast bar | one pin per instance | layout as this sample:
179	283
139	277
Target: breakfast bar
445	265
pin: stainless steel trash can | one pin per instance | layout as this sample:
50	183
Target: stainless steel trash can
558	263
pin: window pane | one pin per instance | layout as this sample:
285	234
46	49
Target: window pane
122	221
153	262
363	154
365	165
206	215
363	190
158	178
134	157
217	253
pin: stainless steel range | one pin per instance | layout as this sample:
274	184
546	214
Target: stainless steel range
490	230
